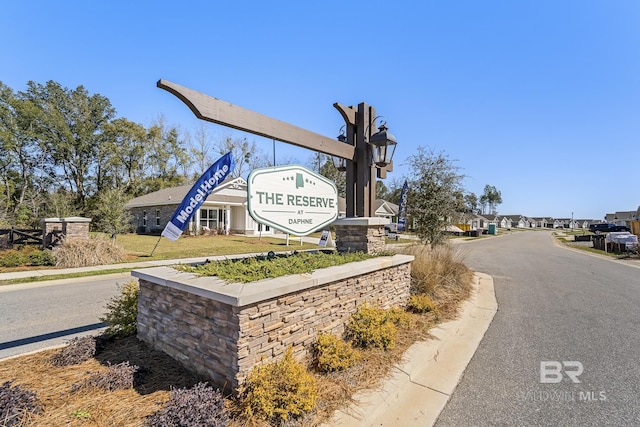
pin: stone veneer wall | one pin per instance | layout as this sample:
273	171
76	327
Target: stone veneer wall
223	340
360	234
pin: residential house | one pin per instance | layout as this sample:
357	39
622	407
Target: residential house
470	221
384	209
583	223
224	211
561	222
539	222
514	221
623	218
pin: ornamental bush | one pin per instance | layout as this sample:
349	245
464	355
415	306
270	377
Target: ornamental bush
278	391
26	256
421	304
371	327
77	351
333	354
197	406
116	377
16	403
122	317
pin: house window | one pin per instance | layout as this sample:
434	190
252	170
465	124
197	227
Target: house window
263	227
209	219
157	217
144	218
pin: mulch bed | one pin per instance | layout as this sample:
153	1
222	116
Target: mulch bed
66	404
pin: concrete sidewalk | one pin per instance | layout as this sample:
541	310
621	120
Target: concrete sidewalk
418	389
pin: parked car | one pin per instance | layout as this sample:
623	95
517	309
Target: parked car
605	228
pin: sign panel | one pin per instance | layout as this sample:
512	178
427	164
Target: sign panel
324	238
292	199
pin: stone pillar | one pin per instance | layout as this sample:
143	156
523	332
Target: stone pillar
364	234
71	228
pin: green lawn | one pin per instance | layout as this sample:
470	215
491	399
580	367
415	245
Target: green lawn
139	247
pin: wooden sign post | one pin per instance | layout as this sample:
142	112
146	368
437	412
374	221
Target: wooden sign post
360	124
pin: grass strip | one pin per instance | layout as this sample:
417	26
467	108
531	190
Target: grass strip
65	276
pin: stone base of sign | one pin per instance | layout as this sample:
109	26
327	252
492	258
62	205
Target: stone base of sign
222	330
360	234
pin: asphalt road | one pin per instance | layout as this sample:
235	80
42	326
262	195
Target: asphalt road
39	315
555	306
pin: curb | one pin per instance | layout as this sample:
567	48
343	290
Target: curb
624	261
418	389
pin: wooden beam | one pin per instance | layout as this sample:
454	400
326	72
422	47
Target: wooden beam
223	113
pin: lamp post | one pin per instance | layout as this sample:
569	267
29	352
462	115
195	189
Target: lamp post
373	157
338	162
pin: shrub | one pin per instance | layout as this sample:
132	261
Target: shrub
333	354
27	256
87	252
78	350
41	257
277	391
16	403
116	377
198	406
400	317
122	317
421	303
11	258
371	327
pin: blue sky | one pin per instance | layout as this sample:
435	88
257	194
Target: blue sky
538	98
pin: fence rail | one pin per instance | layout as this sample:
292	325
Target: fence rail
15	236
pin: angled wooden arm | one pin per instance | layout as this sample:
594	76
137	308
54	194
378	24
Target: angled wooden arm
223	113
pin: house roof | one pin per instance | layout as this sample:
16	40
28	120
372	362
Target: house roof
515	217
231	191
382	206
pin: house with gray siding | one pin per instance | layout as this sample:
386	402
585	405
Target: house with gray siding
223	212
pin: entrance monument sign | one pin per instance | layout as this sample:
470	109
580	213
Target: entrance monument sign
292	198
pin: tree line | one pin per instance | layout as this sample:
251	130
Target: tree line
65	152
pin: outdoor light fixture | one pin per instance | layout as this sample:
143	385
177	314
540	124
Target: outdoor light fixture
383	145
340	163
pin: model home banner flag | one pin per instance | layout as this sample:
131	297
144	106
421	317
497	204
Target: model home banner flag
402	208
197	195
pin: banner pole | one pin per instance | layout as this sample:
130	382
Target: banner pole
154	248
